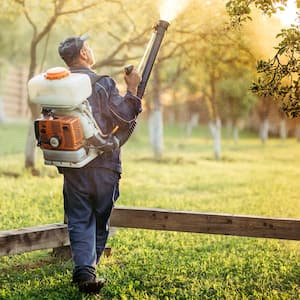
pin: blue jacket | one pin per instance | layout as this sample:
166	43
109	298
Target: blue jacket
109	109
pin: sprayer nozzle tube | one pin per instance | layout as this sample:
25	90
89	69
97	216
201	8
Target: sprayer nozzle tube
152	48
163	24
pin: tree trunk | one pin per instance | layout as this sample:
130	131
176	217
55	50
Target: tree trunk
156	133
236	134
229	128
264	130
283	129
156	118
297	132
215	123
215	129
2	114
30	148
192	123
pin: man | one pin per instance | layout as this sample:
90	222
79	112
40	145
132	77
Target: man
90	192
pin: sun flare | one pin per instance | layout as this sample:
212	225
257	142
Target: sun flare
289	15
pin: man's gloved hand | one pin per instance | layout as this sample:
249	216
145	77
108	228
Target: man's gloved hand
132	81
104	144
109	144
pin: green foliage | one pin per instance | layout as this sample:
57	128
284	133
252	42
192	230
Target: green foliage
222	54
239	10
280	75
251	179
235	97
9	10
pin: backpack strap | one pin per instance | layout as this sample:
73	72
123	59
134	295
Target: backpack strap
95	77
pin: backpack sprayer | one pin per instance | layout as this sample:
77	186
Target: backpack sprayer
66	131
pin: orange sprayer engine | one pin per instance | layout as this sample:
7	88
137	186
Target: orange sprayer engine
59	133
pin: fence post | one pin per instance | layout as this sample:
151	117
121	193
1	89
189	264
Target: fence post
63	252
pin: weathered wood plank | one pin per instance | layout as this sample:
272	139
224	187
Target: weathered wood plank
33	238
36	238
55	235
211	223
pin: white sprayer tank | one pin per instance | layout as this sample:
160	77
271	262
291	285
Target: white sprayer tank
60	89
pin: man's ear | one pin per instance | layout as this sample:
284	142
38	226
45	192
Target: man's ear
83	54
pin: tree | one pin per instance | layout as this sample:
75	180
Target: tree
156	116
240	10
236	100
218	47
279	76
217	63
39	32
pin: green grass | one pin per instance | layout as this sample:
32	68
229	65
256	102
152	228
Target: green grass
251	178
12	137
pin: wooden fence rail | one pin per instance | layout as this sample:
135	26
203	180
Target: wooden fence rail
56	235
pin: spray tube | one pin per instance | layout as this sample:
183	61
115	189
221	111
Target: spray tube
145	68
147	62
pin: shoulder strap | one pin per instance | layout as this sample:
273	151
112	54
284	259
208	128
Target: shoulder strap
94	77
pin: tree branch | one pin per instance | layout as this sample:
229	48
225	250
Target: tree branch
135	41
74	11
57	13
26	14
115	62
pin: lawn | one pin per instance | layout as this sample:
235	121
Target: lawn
251	178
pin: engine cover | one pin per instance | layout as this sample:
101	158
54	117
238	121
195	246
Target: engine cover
59	133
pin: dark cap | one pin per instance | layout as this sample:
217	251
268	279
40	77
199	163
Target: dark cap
71	46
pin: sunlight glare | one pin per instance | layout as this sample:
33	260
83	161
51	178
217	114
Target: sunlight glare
289	15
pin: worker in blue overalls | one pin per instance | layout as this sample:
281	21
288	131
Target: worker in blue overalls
90	192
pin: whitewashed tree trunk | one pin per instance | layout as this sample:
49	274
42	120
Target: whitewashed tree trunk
156	117
236	133
283	129
229	128
215	129
2	114
264	130
192	123
156	133
30	149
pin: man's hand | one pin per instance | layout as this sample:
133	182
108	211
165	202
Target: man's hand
132	80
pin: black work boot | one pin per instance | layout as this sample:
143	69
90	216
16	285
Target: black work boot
92	286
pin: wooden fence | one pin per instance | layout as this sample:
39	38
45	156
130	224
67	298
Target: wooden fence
56	235
14	95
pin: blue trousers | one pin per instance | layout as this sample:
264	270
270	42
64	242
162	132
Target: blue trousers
89	196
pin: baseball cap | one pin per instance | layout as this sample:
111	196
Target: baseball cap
70	47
